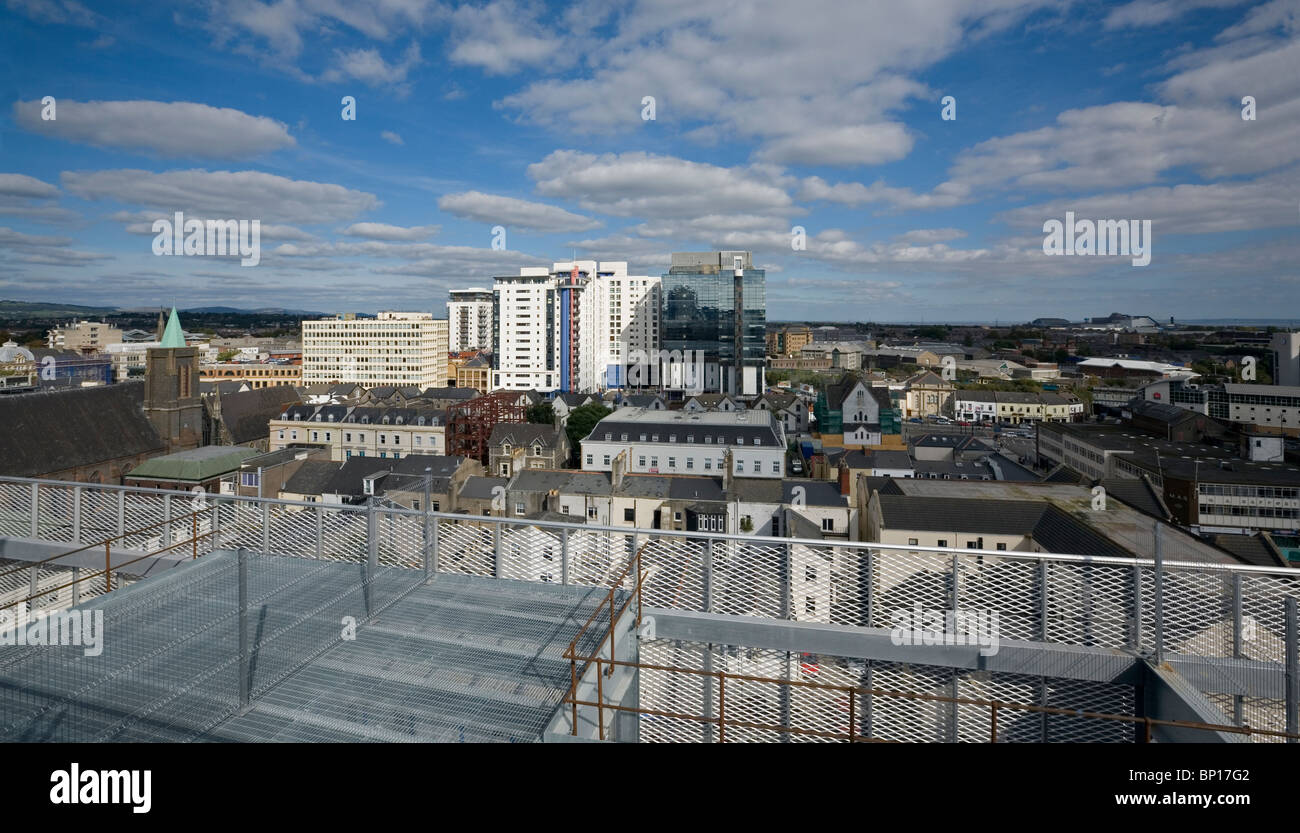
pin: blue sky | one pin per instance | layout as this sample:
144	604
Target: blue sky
768	115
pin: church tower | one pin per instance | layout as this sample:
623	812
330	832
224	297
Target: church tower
171	389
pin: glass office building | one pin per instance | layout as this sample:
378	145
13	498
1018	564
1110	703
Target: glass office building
700	314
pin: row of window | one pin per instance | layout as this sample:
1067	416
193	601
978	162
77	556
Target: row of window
1248	491
418	439
1248	511
943	542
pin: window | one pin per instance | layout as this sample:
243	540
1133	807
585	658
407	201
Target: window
690	463
757	441
654	462
810	605
708	464
417	439
942	542
519	507
347	438
629	515
591	512
776	467
589	458
1002	546
672	462
971	545
913	542
758	466
248	478
607	459
640	461
828	524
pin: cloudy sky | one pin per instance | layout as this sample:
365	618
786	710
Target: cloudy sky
767	116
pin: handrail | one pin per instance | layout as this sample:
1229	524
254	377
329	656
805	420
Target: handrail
994	705
614	618
193	516
107	571
696	535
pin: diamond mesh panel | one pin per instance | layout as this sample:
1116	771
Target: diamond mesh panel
15	509
824	712
904	580
1089	604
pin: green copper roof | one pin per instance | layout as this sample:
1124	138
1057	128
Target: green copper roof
194	465
173	337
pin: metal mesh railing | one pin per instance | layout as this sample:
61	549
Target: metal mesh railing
1194	612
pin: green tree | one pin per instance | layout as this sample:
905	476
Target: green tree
543	413
227	355
580	422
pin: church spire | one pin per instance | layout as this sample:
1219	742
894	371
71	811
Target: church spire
173	336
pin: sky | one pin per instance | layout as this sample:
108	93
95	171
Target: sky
769	118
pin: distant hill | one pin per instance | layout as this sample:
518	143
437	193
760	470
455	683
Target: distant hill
46	309
261	311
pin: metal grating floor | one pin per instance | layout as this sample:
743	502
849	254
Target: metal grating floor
463	658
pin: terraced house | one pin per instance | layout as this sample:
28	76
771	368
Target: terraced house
358	431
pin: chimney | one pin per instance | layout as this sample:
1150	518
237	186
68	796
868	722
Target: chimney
618	468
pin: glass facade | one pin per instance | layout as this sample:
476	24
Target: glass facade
699	308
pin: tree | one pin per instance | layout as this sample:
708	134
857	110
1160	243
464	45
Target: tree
543	413
227	355
580	422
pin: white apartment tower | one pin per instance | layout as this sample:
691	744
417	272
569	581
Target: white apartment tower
469	319
627	309
394	348
571	328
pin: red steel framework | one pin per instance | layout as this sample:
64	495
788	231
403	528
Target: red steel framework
469	424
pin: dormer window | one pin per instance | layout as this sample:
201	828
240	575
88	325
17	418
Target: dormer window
537	450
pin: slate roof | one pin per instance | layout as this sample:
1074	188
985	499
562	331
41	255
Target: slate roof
1051	527
348	479
836	393
1258	549
525	434
717	425
247	414
815	492
477	487
1138	493
885	459
312	477
66	428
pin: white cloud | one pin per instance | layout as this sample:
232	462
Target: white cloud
638	184
382	231
514	213
871	144
229	194
843	68
28	187
1154	12
391	137
178	128
502	37
369	67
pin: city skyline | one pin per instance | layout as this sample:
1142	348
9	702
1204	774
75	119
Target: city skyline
536	119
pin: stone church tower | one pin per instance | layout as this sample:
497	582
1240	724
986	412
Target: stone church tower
171	390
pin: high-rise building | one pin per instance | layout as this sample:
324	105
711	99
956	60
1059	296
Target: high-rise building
1286	358
469	320
627	315
571	328
394	348
715	303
